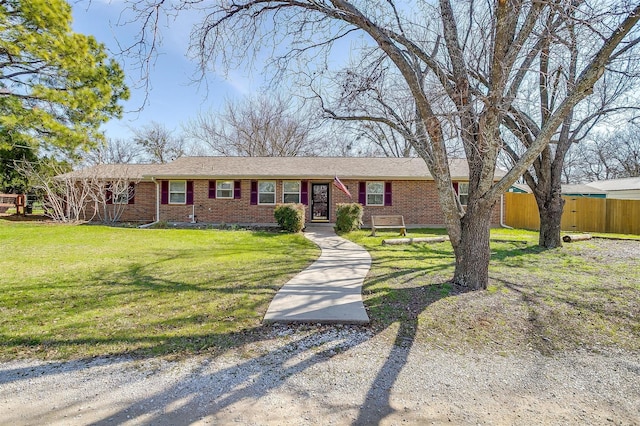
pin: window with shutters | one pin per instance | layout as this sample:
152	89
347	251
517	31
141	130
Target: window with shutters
291	192
177	192
266	192
224	189
122	197
375	193
121	193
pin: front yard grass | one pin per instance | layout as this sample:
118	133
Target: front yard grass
79	291
584	295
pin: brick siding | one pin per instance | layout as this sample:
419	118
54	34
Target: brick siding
417	201
144	207
142	210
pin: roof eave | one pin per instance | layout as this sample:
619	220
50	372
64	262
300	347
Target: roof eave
295	177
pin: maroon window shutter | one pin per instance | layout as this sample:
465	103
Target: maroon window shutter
212	189
109	194
132	193
189	192
164	198
362	193
236	189
254	192
304	192
455	187
388	201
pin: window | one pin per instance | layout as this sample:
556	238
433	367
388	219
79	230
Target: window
121	197
463	192
266	192
177	192
120	193
291	192
375	193
224	189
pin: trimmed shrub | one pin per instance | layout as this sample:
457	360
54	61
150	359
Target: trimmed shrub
290	216
348	217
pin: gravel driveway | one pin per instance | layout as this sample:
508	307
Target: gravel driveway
327	375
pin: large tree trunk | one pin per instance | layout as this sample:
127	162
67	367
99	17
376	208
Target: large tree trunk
472	251
550	210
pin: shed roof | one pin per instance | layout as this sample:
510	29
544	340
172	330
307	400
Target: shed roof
581	189
522	187
623	184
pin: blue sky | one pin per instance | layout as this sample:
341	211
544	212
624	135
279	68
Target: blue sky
173	97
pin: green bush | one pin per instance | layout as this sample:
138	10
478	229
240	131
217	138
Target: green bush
348	217
290	216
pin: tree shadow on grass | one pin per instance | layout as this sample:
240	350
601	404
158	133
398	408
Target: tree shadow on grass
588	317
395	307
254	378
208	392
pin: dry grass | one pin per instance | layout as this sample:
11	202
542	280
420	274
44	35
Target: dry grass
584	295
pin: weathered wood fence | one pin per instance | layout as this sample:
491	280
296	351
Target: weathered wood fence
12	200
581	214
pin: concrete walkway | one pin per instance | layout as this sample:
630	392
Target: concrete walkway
330	290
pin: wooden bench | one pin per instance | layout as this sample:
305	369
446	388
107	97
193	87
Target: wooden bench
388	222
12	200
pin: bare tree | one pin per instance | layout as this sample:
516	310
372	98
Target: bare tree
257	127
627	154
114	151
365	87
158	144
82	195
64	200
562	52
463	67
386	141
110	196
612	156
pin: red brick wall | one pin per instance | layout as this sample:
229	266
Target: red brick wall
221	210
417	201
143	208
144	204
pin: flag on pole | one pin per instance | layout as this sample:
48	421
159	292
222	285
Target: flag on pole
341	186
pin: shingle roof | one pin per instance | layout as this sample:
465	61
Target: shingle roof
305	167
279	168
114	171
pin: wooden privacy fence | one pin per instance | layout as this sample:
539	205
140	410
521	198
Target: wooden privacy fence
582	214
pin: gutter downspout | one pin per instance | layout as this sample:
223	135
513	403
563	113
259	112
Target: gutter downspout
147	225
502	213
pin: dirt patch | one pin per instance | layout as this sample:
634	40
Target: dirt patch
610	249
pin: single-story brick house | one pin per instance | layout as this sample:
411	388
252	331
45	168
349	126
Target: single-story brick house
245	190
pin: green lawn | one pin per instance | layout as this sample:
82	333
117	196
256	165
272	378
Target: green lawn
78	291
73	291
583	295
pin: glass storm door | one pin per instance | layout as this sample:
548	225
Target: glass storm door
320	201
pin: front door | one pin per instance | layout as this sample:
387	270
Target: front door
319	201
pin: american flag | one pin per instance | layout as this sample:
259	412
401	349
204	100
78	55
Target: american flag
341	186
